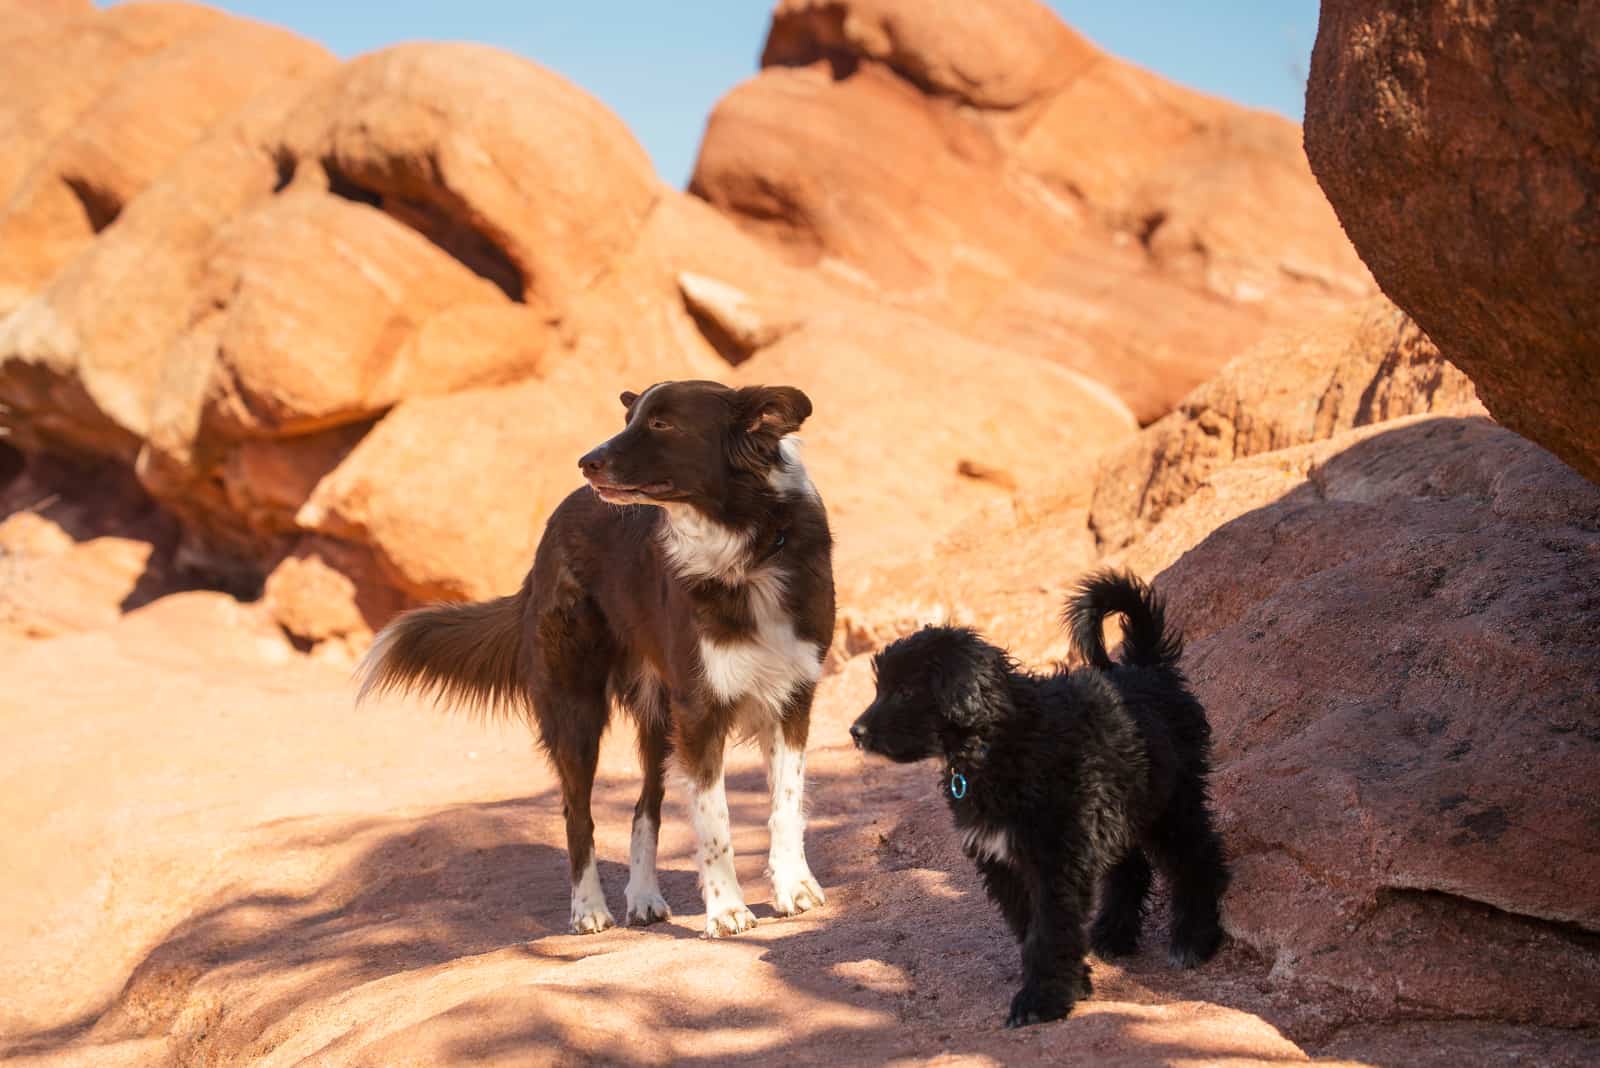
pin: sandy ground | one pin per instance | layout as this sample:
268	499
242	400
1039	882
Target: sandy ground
214	859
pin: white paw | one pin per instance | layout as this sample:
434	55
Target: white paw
647	907
729	921
592	921
790	897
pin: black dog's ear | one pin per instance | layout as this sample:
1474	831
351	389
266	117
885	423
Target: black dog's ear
969	682
961	700
775	410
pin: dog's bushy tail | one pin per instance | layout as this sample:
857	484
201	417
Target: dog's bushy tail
465	654
1146	641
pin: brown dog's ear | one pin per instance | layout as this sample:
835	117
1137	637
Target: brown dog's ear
775	410
628	398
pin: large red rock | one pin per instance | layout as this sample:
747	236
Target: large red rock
1457	143
82	362
1398	657
322	295
451	493
51	584
916	426
330	597
995	55
322	254
515	171
59	59
1253	433
1046	197
19	17
1005	571
709	287
1351	368
144	119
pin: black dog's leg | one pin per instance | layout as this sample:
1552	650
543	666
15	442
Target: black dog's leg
1122	900
1189	851
1054	971
1007	890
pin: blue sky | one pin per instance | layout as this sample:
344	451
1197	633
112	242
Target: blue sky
661	65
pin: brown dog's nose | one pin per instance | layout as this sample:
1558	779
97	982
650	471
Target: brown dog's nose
593	461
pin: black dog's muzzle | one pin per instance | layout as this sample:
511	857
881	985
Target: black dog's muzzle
858	735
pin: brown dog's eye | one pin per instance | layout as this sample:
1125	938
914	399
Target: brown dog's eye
660	424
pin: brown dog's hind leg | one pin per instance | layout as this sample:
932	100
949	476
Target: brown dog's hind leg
645	903
570	663
576	765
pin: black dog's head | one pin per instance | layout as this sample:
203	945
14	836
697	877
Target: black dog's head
938	690
686	441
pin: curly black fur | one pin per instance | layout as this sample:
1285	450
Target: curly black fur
1062	780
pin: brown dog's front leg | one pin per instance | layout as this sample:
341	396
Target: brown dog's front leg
699	750
783	745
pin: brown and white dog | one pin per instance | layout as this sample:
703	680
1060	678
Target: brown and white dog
691	584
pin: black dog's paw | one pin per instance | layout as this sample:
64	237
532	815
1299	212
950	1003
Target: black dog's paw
1190	949
1033	1004
1111	939
1085	986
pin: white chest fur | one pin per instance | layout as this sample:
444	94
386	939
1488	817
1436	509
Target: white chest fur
985	843
766	665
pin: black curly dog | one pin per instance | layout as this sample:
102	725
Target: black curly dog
1059	780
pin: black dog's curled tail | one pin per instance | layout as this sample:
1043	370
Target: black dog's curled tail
1146	641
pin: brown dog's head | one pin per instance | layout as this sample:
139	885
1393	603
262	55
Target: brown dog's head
689	442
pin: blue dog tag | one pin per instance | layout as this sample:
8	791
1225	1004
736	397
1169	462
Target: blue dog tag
958	784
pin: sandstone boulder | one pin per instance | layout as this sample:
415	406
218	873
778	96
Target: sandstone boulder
143	120
451	493
468	345
516	172
82	362
1350	368
51	584
916	426
692	296
1458	146
1005	572
329	596
999	55
294	274
1398	658
322	294
19	17
60	58
1048	198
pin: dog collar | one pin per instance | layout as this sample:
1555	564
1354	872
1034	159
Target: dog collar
958	784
